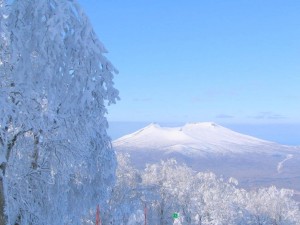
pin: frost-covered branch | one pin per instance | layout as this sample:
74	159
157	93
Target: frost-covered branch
54	84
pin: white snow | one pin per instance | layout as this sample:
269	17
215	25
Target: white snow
197	138
211	147
280	164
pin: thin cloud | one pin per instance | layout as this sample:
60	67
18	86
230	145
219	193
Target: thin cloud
224	116
268	115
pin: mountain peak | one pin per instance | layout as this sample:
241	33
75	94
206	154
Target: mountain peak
203	137
153	125
209	146
202	125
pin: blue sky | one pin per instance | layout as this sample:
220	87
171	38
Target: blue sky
233	61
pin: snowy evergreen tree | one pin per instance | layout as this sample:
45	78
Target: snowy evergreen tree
56	158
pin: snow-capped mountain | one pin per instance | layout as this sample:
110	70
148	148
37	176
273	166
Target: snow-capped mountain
193	138
209	146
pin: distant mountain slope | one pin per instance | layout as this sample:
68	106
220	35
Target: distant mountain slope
209	146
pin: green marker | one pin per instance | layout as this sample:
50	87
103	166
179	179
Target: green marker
175	215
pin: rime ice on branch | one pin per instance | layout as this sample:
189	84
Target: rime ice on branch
56	157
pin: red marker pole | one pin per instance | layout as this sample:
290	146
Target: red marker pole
98	220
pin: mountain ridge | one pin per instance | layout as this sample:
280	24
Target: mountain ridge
201	136
210	147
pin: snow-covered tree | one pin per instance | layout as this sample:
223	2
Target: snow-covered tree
126	195
55	83
172	182
272	206
199	198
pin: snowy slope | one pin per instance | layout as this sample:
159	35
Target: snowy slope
197	138
209	146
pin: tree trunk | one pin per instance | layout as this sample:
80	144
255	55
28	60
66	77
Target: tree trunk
3	217
162	216
35	155
2	202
